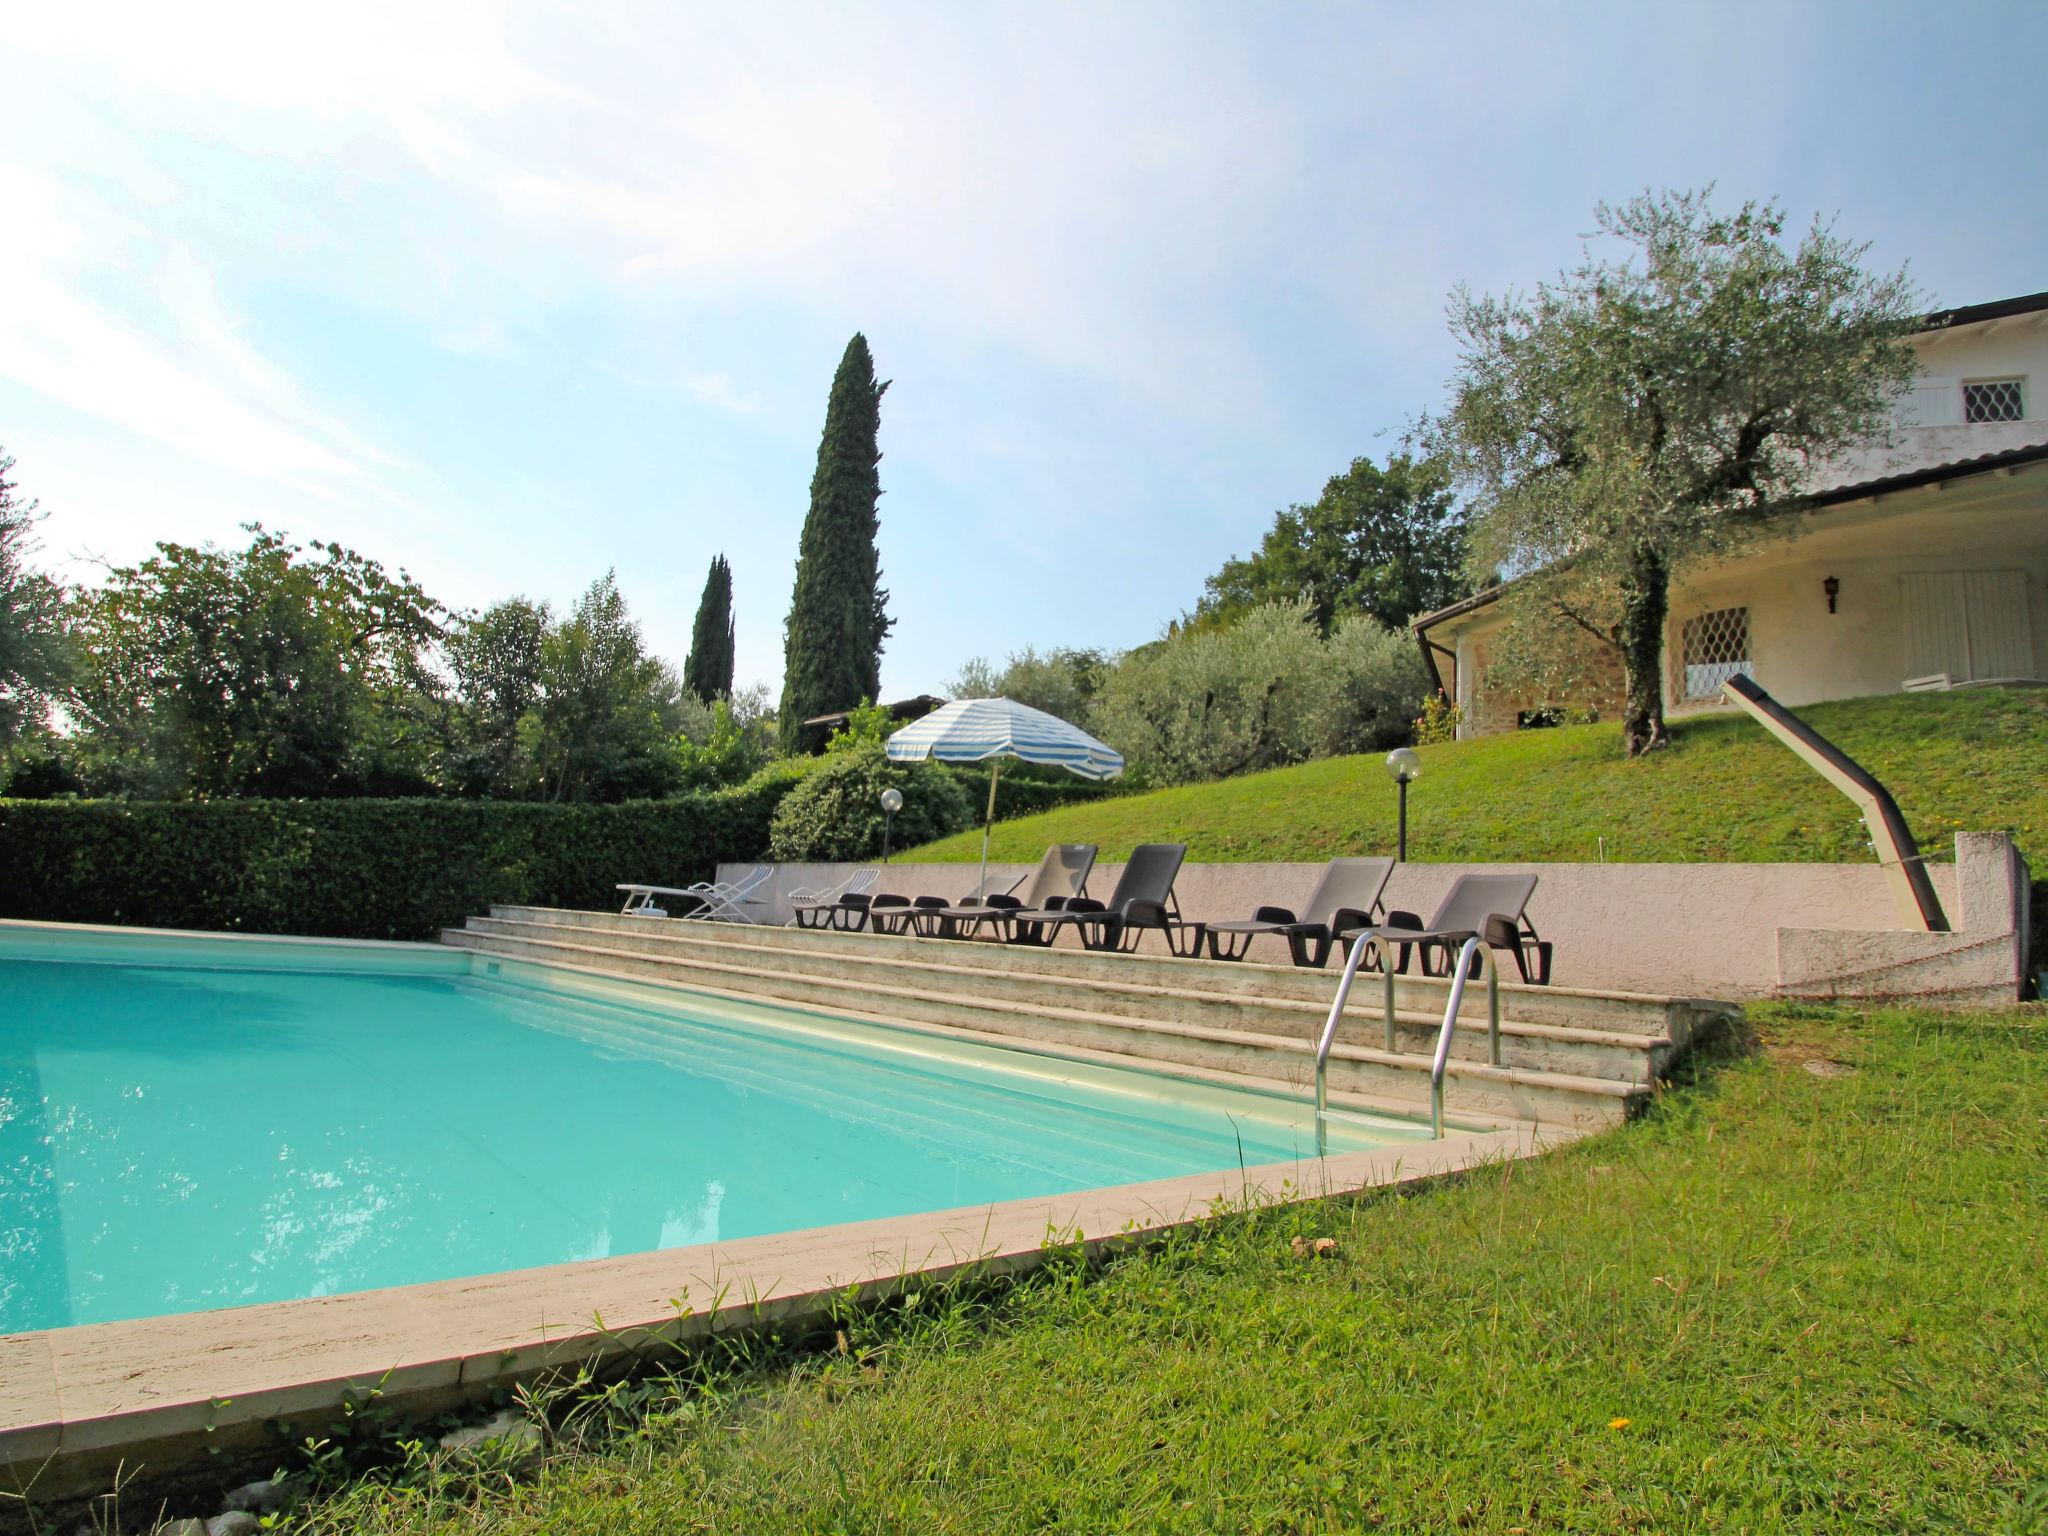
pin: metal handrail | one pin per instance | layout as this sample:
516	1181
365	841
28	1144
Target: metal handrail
1365	941
1472	946
1384	945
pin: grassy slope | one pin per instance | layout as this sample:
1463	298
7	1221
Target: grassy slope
1783	1302
1973	761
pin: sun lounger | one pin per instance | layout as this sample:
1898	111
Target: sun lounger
707	900
1487	907
1143	899
1345	900
900	914
1061	877
843	906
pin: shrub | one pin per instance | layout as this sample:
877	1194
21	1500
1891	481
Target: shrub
836	812
721	753
1020	795
868	724
359	869
1439	720
1215	703
1376	684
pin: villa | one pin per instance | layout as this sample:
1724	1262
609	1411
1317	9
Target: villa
1921	563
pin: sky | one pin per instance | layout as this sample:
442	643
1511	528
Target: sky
510	295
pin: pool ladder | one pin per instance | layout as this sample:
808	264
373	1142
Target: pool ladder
1473	949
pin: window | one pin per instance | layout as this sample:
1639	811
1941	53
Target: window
1713	647
1994	400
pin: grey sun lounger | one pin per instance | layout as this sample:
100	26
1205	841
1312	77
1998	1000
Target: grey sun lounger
1345	900
1490	908
1061	877
924	915
1143	899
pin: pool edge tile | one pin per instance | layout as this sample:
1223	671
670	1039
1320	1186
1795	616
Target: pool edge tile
155	1386
31	1410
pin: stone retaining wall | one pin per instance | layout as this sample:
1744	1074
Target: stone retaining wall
1711	930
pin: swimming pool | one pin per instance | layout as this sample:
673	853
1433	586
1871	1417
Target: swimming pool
190	1123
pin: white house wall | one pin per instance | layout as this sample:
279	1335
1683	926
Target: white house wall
1803	654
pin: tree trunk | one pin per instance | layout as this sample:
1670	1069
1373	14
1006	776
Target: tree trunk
1645	603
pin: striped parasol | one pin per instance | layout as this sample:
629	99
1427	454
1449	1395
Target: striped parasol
989	730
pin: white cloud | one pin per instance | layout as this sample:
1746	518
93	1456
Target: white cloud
208	394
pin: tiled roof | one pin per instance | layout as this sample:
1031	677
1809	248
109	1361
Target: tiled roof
1922	453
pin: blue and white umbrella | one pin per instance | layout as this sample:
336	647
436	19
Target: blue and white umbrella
989	730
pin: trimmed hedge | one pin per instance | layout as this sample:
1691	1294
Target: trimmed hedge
1027	797
358	869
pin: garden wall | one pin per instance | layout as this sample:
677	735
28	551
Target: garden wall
1707	930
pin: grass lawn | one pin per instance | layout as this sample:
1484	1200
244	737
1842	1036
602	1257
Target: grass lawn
1971	761
1783	1301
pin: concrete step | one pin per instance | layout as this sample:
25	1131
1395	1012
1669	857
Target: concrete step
979	971
1676	1019
1474	1087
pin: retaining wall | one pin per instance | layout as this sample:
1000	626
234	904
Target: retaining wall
1710	930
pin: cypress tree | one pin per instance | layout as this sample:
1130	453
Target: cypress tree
708	671
838	617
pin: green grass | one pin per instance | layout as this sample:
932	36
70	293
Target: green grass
1970	761
1781	1302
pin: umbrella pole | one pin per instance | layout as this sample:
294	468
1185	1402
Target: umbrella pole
995	771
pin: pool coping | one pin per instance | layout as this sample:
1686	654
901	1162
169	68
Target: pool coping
76	1402
152	1395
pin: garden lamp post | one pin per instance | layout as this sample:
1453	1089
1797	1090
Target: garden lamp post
1404	765
892	802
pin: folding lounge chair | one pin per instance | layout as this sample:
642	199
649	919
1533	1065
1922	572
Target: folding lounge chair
1061	877
706	898
1346	899
843	906
1487	907
1143	899
729	903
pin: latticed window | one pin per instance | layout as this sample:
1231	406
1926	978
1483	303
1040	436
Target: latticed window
1994	400
1713	647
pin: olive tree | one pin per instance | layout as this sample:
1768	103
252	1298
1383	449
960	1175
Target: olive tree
1640	413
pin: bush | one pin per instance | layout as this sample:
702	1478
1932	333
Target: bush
1439	721
836	812
1376	685
720	753
1265	692
1017	795
359	869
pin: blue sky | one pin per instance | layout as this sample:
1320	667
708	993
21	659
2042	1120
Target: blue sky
508	295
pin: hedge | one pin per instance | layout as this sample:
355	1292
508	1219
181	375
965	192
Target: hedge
358	869
1027	797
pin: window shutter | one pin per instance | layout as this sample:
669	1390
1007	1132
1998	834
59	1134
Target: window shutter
1969	624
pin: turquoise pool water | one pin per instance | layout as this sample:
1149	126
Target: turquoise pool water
178	1134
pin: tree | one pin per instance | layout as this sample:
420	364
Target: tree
34	643
251	672
1387	543
1061	682
1638	414
1267	691
495	659
838	616
605	724
707	671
